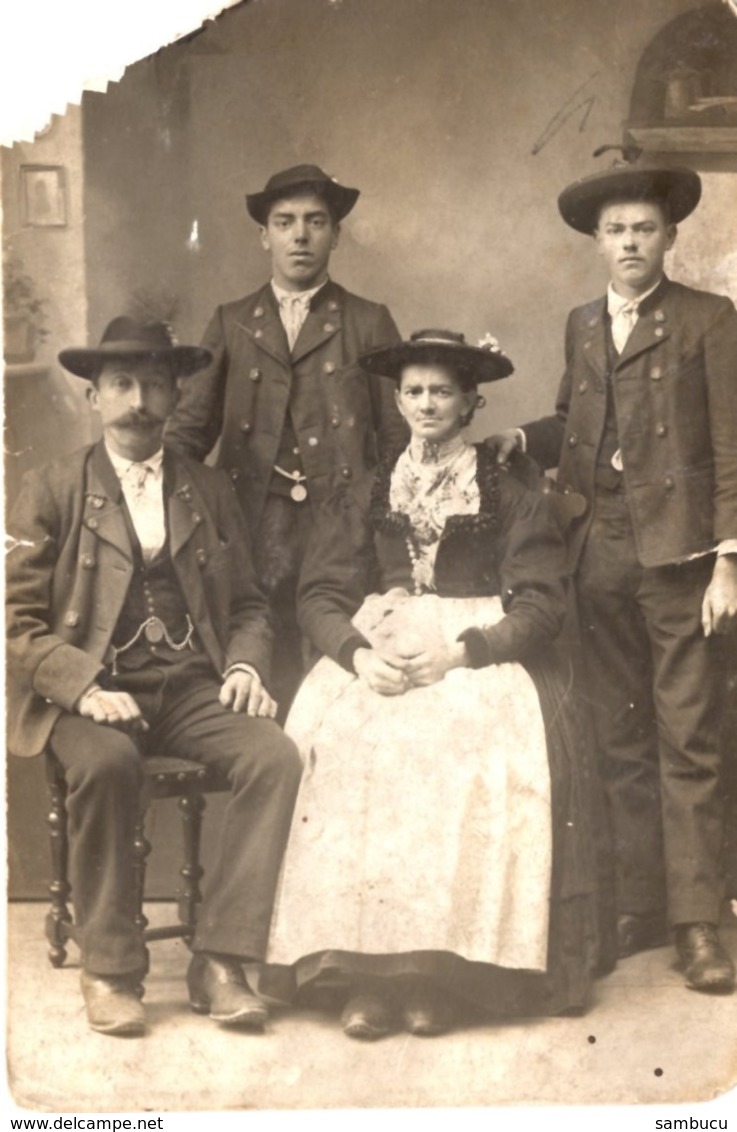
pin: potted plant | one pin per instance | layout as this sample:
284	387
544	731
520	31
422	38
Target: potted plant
24	313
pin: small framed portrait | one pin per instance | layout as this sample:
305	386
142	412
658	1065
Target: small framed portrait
43	196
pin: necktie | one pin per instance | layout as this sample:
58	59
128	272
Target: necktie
623	324
136	477
293	311
146	507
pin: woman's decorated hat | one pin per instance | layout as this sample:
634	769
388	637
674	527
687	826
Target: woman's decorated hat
472	365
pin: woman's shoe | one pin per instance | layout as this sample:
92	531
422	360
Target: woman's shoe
428	1012
367	1016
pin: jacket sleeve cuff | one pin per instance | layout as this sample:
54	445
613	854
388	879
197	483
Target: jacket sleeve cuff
348	649
477	647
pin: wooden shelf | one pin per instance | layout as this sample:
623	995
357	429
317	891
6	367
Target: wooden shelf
663	138
26	369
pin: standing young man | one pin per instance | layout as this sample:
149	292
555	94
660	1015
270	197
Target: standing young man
644	429
284	393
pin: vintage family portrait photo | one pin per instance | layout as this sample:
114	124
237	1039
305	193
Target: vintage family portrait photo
370	482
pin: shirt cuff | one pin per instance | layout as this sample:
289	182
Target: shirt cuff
240	666
727	546
521	439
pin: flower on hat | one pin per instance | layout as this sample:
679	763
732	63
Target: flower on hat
489	342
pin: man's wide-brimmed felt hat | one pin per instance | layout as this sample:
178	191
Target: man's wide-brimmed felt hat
472	364
635	178
301	177
128	338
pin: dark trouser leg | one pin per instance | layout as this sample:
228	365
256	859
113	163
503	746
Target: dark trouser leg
264	769
688	692
620	677
278	552
103	772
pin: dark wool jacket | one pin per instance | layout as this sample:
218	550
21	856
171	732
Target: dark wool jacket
512	547
69	568
675	397
344	420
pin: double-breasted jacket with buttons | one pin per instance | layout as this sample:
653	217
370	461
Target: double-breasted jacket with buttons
70	565
674	390
343	419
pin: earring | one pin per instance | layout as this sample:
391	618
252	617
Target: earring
480	402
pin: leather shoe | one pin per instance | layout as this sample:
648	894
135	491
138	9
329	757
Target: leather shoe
367	1016
640	933
113	1003
428	1012
217	986
706	964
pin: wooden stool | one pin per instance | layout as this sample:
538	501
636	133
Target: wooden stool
163	778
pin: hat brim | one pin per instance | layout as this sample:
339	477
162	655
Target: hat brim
341	198
581	203
86	362
472	364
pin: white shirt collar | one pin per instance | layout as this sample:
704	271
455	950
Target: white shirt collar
304	297
121	464
616	302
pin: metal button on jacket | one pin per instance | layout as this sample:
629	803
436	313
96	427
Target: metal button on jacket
245	426
201	556
661	430
329	367
255	374
346	472
87	561
572	440
583	386
670	483
71	618
656	373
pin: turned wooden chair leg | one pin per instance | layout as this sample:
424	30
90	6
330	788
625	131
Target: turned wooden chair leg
141	850
58	916
191	807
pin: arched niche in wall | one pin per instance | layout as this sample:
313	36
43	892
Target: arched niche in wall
684	98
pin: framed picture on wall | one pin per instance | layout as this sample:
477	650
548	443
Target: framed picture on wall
43	196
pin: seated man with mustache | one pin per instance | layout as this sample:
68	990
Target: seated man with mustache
135	625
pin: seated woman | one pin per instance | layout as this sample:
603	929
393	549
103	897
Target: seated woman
440	852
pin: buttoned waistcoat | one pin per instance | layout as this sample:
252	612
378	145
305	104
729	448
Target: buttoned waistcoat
344	419
674	388
70	565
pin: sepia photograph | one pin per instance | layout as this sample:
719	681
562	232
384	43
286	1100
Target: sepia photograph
370	481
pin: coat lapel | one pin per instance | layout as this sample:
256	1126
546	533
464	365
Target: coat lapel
181	511
261	323
594	341
103	513
324	321
652	326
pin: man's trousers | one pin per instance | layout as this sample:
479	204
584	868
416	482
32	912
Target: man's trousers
656	692
103	768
